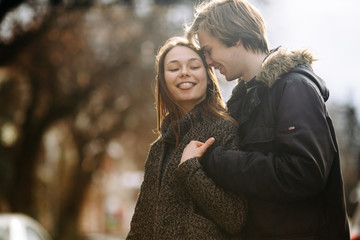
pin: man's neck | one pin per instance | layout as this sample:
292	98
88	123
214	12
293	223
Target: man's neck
254	66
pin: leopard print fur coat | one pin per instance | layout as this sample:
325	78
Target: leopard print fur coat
181	202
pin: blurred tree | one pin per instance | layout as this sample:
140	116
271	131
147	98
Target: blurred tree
347	127
351	151
7	5
80	74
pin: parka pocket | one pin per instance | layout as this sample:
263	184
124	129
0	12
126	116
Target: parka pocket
259	135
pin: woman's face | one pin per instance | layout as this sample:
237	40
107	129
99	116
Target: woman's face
185	77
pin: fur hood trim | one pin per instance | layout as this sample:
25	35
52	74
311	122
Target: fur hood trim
281	61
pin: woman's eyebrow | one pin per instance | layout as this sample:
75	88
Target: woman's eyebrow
176	61
194	59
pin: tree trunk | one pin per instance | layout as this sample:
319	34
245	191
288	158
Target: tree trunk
67	222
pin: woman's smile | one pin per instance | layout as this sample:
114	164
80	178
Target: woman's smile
186	85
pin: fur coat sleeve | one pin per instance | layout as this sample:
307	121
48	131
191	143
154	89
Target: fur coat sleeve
227	210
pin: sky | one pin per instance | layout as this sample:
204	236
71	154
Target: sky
330	29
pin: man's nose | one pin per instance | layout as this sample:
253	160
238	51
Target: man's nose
209	61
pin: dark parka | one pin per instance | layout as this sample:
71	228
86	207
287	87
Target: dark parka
288	166
181	202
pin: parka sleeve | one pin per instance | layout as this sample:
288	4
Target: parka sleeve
227	210
304	150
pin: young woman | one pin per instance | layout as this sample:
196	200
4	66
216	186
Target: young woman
177	200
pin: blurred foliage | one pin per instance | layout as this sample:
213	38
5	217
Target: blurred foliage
74	79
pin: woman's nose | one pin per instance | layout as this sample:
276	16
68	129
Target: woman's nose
184	71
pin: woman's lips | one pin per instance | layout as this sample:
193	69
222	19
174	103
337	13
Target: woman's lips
186	85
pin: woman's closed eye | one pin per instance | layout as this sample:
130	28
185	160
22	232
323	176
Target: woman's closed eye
195	67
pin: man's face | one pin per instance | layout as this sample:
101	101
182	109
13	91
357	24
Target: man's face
220	56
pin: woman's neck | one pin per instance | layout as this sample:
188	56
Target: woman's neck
186	108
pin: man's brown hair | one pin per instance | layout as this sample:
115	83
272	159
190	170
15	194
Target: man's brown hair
230	21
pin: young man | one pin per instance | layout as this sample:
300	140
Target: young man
289	164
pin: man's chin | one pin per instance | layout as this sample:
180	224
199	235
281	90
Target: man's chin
229	79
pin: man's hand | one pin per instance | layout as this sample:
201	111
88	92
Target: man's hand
195	149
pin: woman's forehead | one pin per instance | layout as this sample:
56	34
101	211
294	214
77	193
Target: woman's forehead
181	53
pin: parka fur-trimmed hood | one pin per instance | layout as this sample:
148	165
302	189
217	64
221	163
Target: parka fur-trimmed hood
281	61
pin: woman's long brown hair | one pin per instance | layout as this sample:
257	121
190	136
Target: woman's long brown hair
166	106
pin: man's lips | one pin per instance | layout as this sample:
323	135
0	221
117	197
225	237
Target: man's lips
219	67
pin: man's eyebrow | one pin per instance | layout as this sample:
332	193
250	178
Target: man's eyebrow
204	48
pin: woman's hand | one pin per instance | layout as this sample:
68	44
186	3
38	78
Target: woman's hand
195	149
